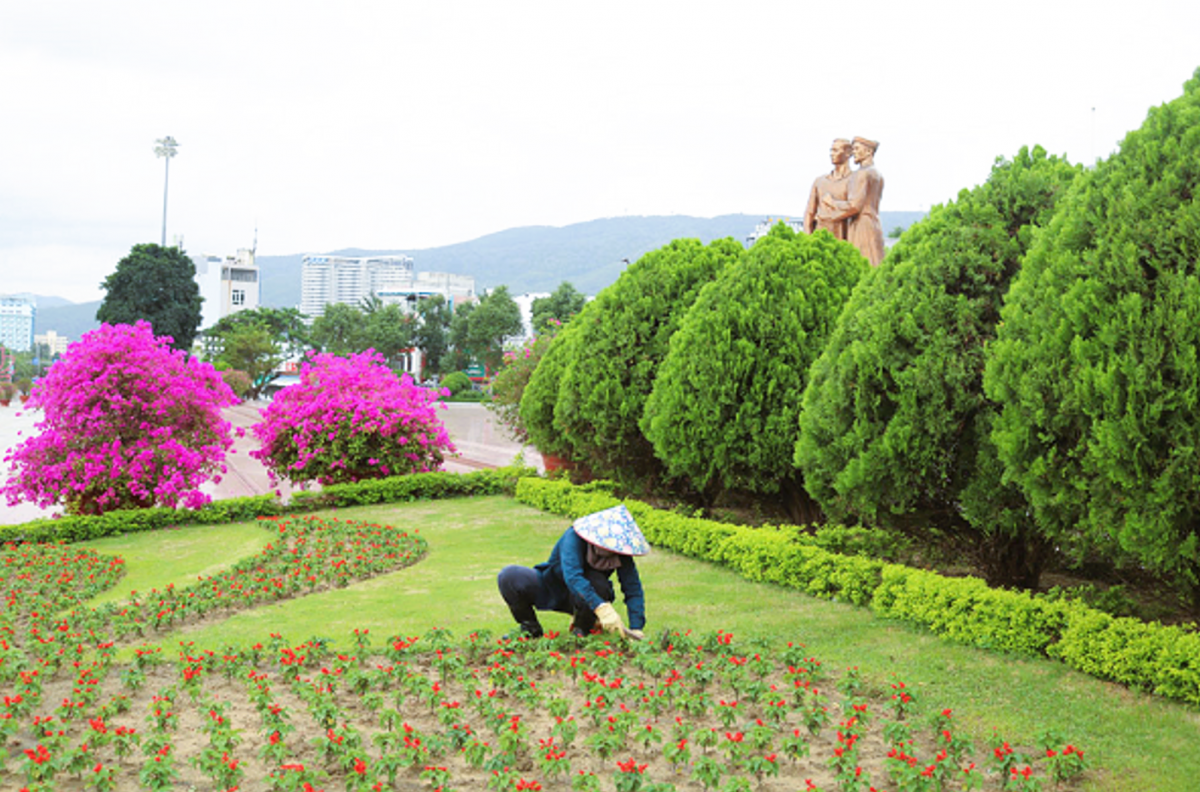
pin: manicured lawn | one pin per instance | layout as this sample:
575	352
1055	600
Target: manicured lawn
1135	741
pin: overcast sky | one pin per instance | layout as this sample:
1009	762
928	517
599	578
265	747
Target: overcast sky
418	124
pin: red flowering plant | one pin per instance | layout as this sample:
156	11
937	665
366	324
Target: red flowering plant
128	423
348	419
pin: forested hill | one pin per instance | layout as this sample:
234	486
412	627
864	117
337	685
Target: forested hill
530	259
538	258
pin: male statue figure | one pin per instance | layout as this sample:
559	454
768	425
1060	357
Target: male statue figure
861	205
817	215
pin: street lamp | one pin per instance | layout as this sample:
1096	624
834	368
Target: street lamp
165	149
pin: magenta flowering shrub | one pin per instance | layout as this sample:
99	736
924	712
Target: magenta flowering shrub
128	423
351	418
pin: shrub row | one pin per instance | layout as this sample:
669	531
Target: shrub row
1145	656
419	486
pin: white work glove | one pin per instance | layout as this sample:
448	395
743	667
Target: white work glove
609	620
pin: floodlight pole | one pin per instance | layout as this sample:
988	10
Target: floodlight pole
165	149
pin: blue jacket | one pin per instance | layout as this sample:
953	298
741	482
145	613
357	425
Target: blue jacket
563	574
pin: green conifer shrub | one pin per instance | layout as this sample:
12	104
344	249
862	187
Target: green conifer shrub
1096	362
724	407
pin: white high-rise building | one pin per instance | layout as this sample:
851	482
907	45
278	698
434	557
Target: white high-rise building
228	284
326	280
18	315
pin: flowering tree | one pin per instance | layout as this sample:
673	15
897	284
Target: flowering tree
350	418
129	423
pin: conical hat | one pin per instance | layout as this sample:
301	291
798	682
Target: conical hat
613	529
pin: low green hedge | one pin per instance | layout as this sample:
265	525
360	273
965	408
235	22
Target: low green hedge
1146	656
420	486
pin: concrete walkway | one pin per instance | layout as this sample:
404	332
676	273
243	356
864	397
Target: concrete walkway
482	443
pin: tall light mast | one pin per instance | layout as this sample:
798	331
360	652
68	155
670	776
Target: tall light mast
165	149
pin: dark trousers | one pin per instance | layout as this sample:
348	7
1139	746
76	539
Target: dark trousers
519	586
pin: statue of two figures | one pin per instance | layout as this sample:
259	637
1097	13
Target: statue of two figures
846	203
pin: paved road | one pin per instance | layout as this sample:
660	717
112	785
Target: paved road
481	442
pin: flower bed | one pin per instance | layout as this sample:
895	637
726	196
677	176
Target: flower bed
679	712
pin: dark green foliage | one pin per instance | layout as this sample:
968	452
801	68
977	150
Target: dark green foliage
432	332
478	330
895	425
618	343
345	329
496	318
566	301
157	284
339	330
723	412
1096	362
389	331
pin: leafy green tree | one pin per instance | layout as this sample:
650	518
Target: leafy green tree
158	285
1096	362
563	303
621	339
496	318
459	352
894	427
257	341
724	406
431	333
341	330
388	330
250	348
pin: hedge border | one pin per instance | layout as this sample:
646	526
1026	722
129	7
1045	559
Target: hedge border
417	486
1146	656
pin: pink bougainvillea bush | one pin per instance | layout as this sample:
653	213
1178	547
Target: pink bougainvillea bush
128	423
350	418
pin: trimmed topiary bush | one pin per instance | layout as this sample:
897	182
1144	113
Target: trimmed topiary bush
456	382
1097	362
350	419
724	408
129	423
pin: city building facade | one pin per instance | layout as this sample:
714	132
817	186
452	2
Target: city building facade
457	289
228	284
328	280
54	343
18	317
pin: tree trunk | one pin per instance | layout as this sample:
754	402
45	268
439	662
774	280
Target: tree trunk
800	507
1014	560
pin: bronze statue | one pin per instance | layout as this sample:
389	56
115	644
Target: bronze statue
817	215
860	208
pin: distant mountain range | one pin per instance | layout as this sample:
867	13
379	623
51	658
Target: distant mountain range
528	260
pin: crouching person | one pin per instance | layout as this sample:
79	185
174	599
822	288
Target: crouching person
577	578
